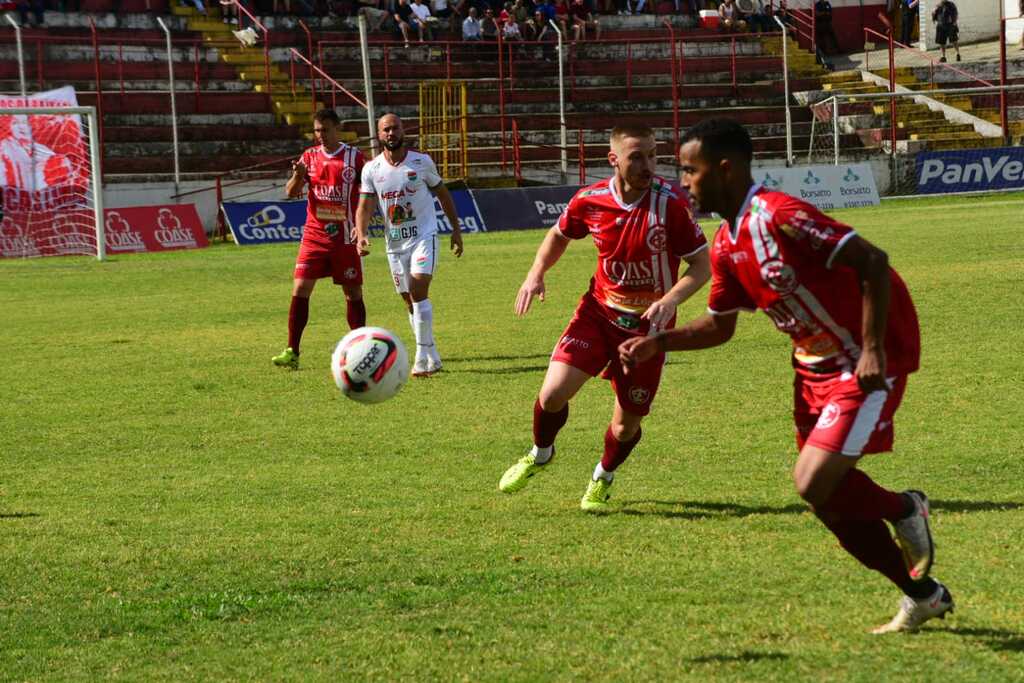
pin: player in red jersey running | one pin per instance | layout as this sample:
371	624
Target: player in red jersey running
643	228
332	169
855	340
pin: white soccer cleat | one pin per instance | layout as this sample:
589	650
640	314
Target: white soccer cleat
913	613
421	367
915	538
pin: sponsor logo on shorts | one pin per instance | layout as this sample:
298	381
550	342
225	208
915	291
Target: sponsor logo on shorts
575	341
629	322
639	395
350	273
829	416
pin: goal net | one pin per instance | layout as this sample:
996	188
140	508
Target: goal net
49	181
926	141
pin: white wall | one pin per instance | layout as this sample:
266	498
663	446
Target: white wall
1014	26
979	20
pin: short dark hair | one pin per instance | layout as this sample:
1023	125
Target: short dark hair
325	115
720	138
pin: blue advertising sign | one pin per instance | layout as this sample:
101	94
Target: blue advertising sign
970	170
266	222
523	208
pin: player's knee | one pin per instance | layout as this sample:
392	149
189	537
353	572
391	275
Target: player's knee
552	400
623	431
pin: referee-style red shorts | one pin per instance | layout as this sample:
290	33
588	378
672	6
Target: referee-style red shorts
590	343
321	256
833	414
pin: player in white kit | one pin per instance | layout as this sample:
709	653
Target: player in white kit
404	183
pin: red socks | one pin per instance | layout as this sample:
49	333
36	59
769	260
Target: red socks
854	515
298	316
615	451
546	425
858	497
355	312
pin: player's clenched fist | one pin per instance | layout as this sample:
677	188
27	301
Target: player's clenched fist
636	350
299	169
532	287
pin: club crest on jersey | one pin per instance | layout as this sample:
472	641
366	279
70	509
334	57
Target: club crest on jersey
829	416
411	175
656	238
639	395
348	175
779	276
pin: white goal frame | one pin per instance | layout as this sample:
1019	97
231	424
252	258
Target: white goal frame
95	177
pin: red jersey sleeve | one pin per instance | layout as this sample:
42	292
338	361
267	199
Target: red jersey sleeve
685	237
571	223
727	294
815	235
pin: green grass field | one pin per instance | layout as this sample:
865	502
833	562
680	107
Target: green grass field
172	507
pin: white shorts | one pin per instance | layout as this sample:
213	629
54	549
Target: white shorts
420	259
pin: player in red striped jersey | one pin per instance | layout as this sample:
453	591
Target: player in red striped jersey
332	170
855	339
643	228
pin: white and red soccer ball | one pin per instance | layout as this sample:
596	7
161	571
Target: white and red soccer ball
370	365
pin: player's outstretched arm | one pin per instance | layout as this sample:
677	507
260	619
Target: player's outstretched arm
364	214
872	266
700	333
293	188
698	272
550	250
448	205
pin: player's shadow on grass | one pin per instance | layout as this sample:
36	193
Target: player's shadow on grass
997	639
744	656
469	359
693	509
18	515
973	505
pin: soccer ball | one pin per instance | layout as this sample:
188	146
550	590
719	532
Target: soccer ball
370	365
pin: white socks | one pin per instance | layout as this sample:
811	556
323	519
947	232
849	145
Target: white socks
422	320
601	473
542	455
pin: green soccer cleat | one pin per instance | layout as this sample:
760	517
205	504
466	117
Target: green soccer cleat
596	497
287	359
517	476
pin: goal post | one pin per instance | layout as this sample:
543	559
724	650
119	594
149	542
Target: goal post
50	182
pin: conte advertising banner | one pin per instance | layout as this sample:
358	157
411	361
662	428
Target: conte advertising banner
523	208
827	187
153	228
266	222
970	170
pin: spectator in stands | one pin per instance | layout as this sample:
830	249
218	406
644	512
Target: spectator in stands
760	19
947	30
35	7
376	17
403	17
1021	10
908	20
232	15
562	16
422	19
582	19
489	25
731	18
442	11
509	26
783	14
471	29
521	14
825	34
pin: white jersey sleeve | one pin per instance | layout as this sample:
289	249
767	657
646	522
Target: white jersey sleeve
366	181
430	175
